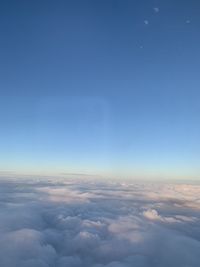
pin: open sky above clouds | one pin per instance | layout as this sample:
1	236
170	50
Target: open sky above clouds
107	88
98	224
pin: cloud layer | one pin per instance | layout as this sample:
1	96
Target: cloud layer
96	224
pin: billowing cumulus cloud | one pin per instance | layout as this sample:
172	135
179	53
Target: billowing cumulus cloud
98	224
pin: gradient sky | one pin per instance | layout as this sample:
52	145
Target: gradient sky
104	87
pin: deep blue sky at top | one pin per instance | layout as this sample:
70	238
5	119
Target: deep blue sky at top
100	86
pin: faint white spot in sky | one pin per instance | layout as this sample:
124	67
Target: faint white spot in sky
188	21
146	22
141	46
156	9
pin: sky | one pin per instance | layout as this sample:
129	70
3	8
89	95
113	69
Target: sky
106	88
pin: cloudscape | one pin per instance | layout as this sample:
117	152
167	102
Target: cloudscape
99	133
112	224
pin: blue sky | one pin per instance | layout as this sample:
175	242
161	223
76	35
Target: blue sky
102	87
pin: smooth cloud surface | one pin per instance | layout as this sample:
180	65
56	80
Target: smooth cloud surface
76	224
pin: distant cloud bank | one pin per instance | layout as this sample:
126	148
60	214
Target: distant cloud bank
99	224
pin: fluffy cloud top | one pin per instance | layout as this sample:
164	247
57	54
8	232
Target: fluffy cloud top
76	224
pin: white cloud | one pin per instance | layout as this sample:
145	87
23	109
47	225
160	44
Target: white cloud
76	224
57	194
152	214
